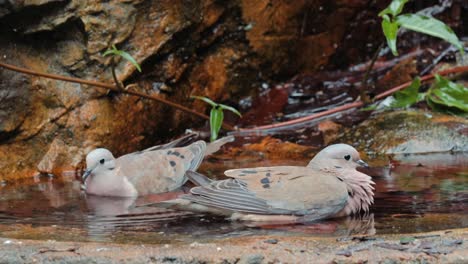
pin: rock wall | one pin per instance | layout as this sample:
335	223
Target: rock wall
220	49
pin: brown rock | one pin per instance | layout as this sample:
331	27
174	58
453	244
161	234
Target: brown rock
272	148
274	30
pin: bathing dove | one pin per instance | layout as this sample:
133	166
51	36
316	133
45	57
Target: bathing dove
329	186
154	170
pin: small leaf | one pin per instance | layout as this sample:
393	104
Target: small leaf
129	57
390	30
408	96
216	115
395	8
205	99
230	108
123	54
371	107
448	94
430	26
216	120
112	51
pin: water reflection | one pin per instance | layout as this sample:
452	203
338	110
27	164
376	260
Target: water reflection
413	193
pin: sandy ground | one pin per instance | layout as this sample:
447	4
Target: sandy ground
435	247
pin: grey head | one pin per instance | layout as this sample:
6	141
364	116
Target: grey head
337	156
98	161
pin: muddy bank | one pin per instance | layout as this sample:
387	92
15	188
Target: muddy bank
435	247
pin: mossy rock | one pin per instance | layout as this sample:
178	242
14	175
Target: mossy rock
409	132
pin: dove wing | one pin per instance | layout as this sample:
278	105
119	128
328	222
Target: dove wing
275	190
230	194
156	171
293	187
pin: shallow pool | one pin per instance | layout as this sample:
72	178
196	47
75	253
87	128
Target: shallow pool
416	193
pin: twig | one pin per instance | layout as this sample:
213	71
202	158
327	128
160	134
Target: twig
44	250
110	87
364	96
350	105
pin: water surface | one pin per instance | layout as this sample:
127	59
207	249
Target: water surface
416	193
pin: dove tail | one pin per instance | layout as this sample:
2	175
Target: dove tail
197	178
198	149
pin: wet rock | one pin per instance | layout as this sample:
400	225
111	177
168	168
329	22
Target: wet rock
409	132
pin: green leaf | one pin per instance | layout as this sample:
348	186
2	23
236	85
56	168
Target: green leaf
112	51
205	99
448	94
123	54
430	26
408	96
371	107
230	108
216	115
390	30
216	120
395	8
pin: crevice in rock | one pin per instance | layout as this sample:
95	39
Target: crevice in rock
6	136
21	20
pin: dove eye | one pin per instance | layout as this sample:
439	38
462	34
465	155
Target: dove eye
102	161
347	157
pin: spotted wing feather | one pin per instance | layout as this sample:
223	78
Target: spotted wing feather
159	171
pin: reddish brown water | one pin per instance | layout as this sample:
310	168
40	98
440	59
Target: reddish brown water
413	194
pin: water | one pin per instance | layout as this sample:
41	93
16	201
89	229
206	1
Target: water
413	194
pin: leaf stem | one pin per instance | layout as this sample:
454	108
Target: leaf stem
114	75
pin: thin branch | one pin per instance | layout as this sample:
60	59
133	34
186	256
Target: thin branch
110	87
351	105
364	96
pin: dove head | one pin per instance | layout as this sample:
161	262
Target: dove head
337	156
343	160
98	160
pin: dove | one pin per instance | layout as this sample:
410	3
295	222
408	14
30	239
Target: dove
154	170
329	186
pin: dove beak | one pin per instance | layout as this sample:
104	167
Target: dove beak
86	175
362	163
